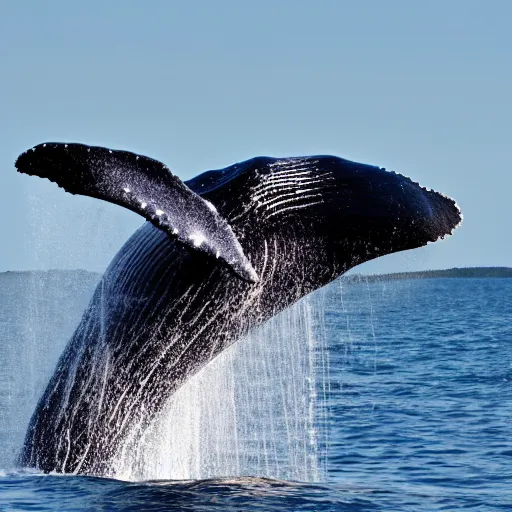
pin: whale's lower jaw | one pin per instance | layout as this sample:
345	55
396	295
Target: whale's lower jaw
163	310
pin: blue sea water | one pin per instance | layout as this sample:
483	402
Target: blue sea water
413	404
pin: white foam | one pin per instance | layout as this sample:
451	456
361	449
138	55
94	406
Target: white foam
251	411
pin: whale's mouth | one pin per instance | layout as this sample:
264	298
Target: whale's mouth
387	202
334	201
350	211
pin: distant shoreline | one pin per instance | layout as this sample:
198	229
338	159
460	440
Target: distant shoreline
457	273
454	273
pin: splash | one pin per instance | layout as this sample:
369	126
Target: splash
258	409
38	313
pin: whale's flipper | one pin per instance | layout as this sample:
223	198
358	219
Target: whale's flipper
145	186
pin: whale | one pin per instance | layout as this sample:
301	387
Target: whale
219	255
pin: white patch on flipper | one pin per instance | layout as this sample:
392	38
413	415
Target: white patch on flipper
143	205
175	231
159	212
217	254
210	206
126	189
197	239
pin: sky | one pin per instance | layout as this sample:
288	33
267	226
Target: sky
421	88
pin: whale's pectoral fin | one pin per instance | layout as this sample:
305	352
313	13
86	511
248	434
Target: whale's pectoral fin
145	186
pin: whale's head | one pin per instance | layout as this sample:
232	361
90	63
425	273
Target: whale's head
327	213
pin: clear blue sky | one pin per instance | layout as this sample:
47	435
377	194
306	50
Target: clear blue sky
423	88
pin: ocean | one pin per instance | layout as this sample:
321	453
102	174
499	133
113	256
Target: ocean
393	395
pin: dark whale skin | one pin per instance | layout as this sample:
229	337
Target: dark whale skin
163	311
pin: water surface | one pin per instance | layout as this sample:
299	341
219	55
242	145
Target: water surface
409	409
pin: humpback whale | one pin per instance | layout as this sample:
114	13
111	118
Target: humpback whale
220	254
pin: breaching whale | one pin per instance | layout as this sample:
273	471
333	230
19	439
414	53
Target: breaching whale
220	254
